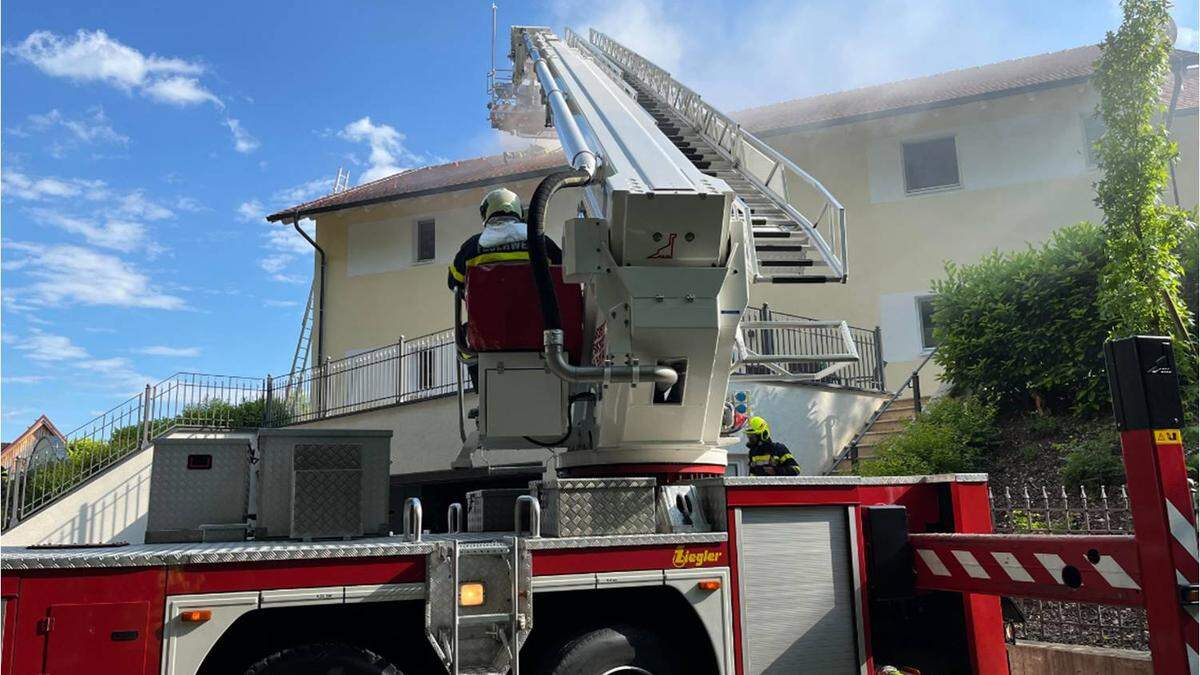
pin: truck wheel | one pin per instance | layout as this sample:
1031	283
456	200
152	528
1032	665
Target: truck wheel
323	659
613	650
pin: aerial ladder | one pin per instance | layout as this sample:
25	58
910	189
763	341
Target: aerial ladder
679	212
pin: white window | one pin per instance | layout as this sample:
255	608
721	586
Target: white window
426	244
930	164
925	318
1093	129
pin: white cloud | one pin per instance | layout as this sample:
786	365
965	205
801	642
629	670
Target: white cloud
783	50
284	238
190	204
163	350
93	56
64	275
24	379
181	91
303	192
136	205
21	186
47	348
243	142
386	144
118	373
275	263
251	211
120	235
281	303
93	128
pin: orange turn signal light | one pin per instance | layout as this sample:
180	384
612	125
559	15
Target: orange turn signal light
709	585
470	594
195	615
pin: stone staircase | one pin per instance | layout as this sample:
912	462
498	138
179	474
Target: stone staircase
890	422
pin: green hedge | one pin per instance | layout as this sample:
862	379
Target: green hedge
1022	329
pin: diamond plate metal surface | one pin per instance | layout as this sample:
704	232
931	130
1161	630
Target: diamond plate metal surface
182	499
275	484
150	555
573	507
327	503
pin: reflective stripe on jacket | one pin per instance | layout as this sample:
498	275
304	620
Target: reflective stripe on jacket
768	458
510	246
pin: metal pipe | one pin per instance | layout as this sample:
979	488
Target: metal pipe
556	361
321	292
1177	67
535	515
569	134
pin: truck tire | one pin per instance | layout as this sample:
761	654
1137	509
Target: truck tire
612	650
329	658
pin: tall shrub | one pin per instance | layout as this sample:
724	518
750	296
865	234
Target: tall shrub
1140	284
1022	329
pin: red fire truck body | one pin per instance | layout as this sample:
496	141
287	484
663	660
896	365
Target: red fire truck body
706	596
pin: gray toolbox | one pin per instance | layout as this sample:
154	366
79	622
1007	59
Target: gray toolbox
491	510
581	507
198	489
323	483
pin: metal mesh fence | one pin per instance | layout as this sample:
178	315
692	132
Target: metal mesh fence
1057	510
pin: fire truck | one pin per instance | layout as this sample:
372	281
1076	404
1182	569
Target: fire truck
635	554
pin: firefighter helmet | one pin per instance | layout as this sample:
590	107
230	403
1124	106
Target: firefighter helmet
757	426
500	201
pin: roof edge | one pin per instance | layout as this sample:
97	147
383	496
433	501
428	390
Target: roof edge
290	215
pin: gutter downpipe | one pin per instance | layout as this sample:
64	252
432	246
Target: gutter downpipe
320	291
584	163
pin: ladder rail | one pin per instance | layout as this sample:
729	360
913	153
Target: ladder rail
773	174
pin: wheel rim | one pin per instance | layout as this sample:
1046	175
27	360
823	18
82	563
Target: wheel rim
627	670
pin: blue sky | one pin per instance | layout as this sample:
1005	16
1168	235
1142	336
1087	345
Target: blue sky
143	142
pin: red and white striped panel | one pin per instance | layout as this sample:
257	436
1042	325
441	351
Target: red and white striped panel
1083	568
1182	524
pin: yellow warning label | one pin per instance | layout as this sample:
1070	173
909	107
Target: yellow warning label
1171	436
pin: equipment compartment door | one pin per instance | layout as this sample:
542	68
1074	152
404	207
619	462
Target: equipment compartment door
108	637
797	593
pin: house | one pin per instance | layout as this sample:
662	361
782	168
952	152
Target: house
950	167
41	436
940	168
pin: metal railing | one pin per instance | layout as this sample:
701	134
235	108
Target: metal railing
788	186
1057	510
913	382
402	372
183	400
864	373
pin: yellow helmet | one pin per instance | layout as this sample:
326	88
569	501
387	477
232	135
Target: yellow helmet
498	201
757	426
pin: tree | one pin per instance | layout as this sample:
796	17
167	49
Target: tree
1140	283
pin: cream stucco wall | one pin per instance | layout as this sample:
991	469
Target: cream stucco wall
376	291
1023	172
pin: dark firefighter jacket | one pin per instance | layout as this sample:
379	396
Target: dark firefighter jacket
472	254
768	458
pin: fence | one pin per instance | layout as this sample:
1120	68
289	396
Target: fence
1061	511
866	373
184	400
402	372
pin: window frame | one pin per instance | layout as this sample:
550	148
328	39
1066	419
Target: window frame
417	259
917	302
904	145
1090	161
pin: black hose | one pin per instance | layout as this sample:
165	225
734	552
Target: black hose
538	260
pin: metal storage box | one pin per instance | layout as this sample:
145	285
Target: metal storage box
580	507
491	510
195	482
322	483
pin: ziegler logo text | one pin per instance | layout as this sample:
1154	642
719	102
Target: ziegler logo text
686	558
